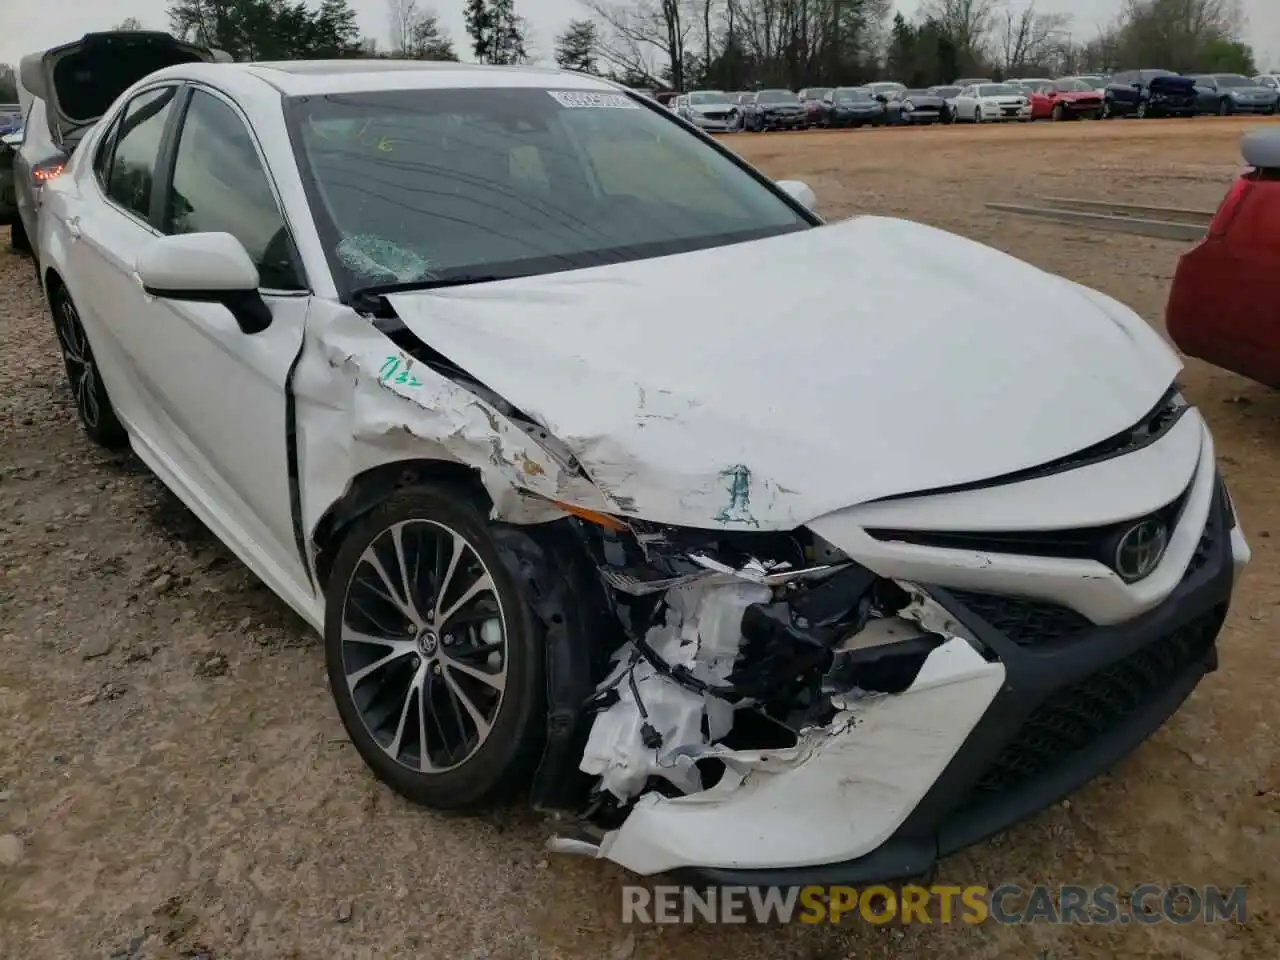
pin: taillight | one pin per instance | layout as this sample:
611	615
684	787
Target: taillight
1231	204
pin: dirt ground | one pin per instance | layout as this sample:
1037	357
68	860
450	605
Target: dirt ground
179	785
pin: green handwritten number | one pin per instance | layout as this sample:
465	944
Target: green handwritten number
392	372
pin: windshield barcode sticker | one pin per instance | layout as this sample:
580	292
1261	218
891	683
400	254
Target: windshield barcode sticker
603	101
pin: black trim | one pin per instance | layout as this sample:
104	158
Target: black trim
166	158
1157	422
247	306
293	467
954	814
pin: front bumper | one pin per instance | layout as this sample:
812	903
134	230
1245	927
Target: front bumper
1254	106
711	124
1005	113
1053	703
789	121
850	117
1163	107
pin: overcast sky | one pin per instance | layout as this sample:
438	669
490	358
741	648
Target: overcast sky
27	25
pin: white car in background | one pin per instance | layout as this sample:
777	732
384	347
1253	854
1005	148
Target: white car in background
992	102
431	347
1269	80
707	109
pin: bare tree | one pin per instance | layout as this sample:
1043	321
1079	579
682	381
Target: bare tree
129	24
968	23
404	15
1030	38
636	33
1176	33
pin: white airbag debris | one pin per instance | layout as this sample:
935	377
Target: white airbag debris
702	633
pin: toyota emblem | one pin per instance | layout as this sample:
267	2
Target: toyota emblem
1140	549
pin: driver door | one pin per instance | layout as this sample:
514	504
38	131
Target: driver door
220	393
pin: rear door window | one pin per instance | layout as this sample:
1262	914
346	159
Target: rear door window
133	162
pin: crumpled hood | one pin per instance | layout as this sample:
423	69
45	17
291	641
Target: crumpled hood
847	362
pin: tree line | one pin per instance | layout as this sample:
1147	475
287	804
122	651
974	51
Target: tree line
738	44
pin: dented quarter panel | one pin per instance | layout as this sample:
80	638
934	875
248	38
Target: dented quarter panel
838	795
763	404
353	415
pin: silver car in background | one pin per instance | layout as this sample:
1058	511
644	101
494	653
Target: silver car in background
707	109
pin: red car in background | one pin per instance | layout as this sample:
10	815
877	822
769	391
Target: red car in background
811	97
1224	306
1066	99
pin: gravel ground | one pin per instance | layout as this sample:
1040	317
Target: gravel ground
175	783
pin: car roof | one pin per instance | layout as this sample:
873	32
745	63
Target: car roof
320	77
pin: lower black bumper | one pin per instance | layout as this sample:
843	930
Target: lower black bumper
1158	108
1077	699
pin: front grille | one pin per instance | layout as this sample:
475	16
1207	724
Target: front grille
1035	623
1026	622
1082	713
1079	543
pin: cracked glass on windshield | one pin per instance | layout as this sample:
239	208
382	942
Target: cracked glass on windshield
473	184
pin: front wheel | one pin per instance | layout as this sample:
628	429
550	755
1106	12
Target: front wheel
1142	110
1058	112
93	406
434	658
1224	107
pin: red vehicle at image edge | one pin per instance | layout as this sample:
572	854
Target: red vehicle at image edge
1224	306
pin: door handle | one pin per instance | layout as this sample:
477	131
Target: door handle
73	227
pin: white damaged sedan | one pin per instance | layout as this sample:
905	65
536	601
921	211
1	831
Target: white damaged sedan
762	582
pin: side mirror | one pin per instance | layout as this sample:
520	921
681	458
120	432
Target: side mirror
882	98
205	268
799	191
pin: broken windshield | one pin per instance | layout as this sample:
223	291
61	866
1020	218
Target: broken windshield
421	185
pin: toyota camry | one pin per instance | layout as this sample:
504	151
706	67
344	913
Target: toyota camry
761	581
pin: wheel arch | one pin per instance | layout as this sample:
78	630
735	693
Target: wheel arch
51	280
367	489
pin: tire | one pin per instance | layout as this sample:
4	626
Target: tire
1141	112
402	660
18	239
977	114
1058	113
93	406
1224	107
1105	112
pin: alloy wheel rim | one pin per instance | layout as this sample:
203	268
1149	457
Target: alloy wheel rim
424	646
78	360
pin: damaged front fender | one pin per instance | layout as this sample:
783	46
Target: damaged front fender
364	401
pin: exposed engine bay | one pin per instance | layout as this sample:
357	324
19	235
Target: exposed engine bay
736	642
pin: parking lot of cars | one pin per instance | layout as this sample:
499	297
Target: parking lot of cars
268	839
1131	93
